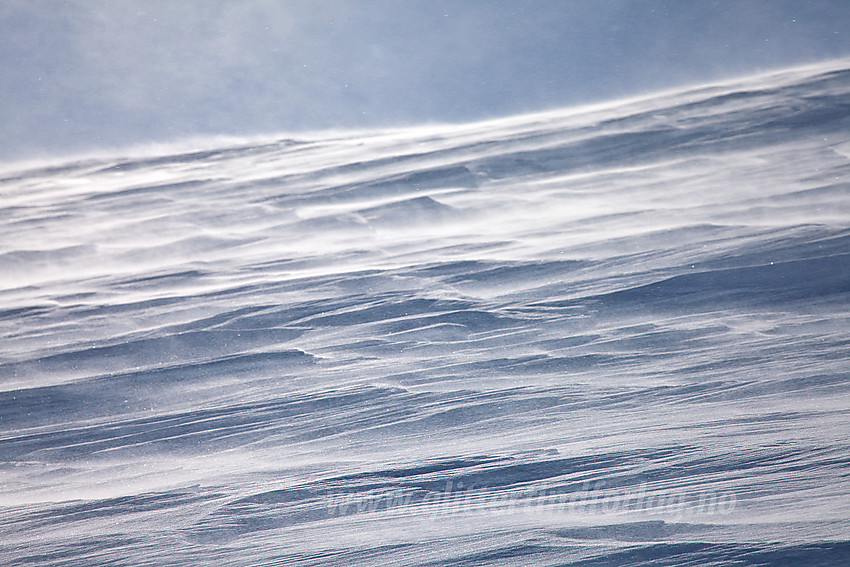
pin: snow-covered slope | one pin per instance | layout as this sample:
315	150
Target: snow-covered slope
614	335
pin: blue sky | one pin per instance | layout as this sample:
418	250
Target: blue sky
100	74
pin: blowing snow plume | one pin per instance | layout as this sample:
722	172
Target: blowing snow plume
612	335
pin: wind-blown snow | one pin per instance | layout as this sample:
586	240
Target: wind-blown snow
614	335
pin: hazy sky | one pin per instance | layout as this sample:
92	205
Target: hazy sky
86	74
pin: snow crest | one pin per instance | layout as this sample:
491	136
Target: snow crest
614	335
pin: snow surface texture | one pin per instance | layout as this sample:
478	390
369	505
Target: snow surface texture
614	335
